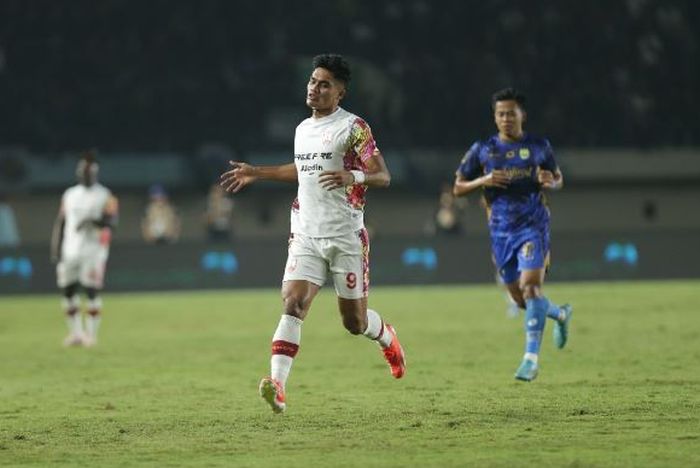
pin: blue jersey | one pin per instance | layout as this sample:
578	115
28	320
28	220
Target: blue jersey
521	206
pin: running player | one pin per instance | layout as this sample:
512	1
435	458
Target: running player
513	168
80	247
335	160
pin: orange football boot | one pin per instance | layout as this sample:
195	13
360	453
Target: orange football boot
394	355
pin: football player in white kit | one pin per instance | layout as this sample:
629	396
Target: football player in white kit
80	246
335	160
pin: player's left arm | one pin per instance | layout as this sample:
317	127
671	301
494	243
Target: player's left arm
109	218
375	172
552	180
548	173
110	214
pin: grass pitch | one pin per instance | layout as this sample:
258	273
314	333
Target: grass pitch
173	382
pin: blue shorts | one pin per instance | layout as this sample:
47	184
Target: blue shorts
527	250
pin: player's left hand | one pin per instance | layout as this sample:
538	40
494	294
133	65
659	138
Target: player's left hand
330	180
546	179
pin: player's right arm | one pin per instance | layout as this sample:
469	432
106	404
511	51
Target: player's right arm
495	178
470	174
57	234
242	174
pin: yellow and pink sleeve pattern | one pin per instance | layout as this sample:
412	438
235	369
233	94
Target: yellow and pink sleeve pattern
361	146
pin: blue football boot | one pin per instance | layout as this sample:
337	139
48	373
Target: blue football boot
527	371
560	331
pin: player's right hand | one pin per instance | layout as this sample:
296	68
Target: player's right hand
238	177
496	178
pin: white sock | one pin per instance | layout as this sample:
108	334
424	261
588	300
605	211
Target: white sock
71	307
75	323
376	330
531	356
94	317
285	345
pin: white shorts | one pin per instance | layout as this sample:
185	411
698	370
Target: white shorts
346	257
88	270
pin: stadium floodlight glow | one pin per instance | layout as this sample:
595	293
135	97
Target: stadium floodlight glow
226	262
424	257
626	253
16	266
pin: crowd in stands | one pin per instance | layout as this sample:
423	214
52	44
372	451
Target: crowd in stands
164	75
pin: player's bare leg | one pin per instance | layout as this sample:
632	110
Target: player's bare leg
297	296
358	319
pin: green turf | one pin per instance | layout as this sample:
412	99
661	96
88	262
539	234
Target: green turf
173	382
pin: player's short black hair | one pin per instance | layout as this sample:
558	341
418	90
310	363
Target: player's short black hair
89	156
87	167
508	94
336	64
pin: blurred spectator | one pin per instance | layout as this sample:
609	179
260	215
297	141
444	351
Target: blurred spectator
210	160
161	223
218	217
447	217
649	211
9	234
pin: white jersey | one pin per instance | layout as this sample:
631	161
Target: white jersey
340	141
79	204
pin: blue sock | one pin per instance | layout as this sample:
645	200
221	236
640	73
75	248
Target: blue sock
535	316
552	309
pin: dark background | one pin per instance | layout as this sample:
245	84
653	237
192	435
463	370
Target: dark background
169	75
169	91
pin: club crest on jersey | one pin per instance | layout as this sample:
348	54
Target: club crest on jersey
510	154
326	138
524	153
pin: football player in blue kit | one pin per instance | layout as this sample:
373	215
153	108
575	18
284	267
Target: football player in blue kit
513	169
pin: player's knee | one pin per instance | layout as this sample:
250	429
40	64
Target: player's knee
516	296
70	290
91	293
530	291
294	305
354	324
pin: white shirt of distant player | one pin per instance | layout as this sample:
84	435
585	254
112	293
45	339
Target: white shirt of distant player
81	203
320	144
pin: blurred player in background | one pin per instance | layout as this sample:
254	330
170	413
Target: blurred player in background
336	159
513	168
80	247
